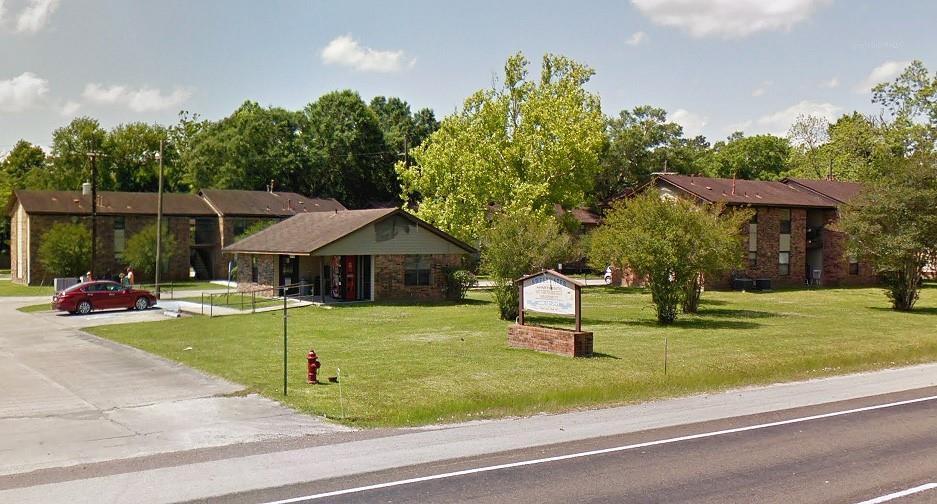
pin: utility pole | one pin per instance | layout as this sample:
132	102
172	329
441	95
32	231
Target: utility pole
93	156
159	219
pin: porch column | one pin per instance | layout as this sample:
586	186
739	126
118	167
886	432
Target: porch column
322	278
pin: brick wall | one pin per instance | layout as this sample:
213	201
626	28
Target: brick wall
548	339
107	262
266	272
835	260
389	277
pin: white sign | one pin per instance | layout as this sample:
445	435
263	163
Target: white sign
549	294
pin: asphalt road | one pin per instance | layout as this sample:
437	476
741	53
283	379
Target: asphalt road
842	456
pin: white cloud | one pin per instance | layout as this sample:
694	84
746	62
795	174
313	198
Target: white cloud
728	18
692	124
830	84
779	122
35	16
882	73
346	51
22	92
761	89
637	38
145	99
70	108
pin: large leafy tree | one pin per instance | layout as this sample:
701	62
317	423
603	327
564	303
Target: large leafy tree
759	157
65	249
22	168
524	145
132	162
246	150
70	166
642	141
140	252
350	160
893	225
670	242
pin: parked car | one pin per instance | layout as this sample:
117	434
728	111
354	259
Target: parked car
101	295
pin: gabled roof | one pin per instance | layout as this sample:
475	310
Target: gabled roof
747	192
303	234
833	189
266	204
553	273
110	203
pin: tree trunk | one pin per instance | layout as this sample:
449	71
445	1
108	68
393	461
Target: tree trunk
694	290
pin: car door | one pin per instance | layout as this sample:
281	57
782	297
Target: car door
95	294
115	297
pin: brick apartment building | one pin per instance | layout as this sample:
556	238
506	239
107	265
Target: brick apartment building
791	239
200	224
350	255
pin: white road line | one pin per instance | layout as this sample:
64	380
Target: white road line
659	442
903	493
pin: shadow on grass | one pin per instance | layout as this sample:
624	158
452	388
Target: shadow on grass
740	314
696	323
712	302
600	355
930	310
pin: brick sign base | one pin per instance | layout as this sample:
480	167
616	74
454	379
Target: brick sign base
548	339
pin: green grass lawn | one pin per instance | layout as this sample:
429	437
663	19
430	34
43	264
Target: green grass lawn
410	365
8	288
42	307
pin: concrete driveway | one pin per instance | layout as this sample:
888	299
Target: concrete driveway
70	398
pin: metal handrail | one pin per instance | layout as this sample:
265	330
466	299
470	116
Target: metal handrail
280	291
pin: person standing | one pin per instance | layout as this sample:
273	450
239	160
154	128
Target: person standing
124	281
130	278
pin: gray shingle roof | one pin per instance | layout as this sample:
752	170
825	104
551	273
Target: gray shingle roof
748	192
305	233
111	203
266	204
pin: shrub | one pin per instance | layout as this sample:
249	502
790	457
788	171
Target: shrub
458	282
517	244
255	228
140	252
65	250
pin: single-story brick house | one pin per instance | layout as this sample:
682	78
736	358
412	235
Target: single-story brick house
200	224
350	255
791	239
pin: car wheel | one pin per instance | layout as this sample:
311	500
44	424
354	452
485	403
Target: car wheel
608	280
142	304
84	308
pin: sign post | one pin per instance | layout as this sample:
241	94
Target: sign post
554	293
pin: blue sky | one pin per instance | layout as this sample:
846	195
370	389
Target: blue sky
715	65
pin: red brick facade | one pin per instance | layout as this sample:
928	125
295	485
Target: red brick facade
389	278
108	260
552	340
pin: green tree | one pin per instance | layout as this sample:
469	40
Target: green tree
516	245
140	251
524	145
22	168
246	150
893	226
809	157
350	161
132	162
640	142
65	250
759	157
255	228
70	166
670	243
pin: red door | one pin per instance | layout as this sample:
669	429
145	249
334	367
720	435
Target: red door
351	291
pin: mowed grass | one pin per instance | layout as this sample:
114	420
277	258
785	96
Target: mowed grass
407	365
8	288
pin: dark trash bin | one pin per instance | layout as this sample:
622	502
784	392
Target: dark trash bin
763	284
742	284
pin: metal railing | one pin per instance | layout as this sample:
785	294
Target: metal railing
260	297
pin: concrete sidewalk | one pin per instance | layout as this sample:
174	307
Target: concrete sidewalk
221	477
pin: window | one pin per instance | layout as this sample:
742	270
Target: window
753	242
120	234
416	270
784	242
853	265
785	225
254	269
784	263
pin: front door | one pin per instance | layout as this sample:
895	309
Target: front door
351	289
289	271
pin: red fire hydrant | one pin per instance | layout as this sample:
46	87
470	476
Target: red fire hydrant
312	366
